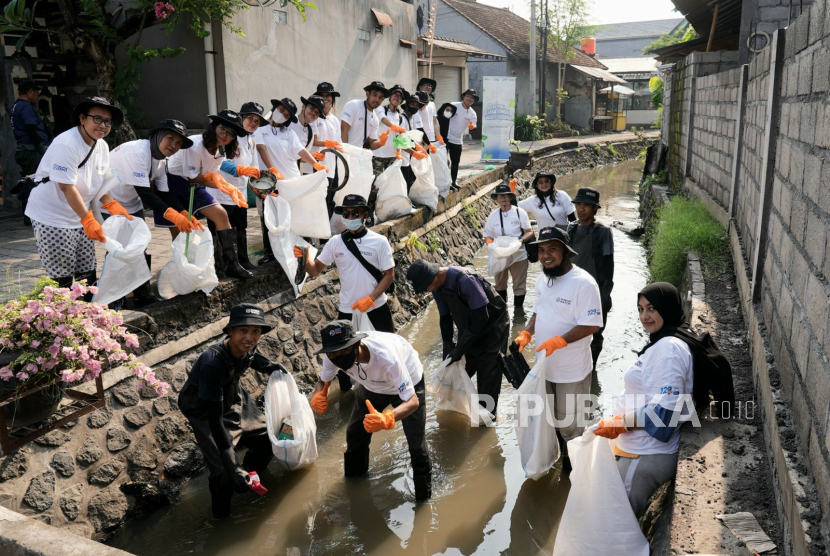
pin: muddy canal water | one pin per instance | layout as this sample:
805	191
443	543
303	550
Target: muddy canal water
481	502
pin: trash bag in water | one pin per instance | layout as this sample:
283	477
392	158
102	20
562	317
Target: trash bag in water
278	221
125	267
283	399
455	390
535	432
183	275
503	252
392	200
306	196
597	502
441	171
423	191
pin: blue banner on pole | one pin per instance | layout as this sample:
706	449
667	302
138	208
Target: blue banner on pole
497	113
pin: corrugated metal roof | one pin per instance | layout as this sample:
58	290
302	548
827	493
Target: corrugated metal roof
700	14
637	29
461	47
639	64
620	90
599	74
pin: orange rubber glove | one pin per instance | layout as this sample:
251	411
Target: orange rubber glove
611	428
226	188
522	339
92	228
433	149
318	156
513	183
419	155
331	144
247	171
317	166
397	129
440	139
320	400
194	222
299	251
489	240
115	209
552	344
383	137
471	126
420	149
277	173
374	421
363	304
398	155
181	222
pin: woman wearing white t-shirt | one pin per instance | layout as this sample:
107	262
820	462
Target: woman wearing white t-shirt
508	220
70	177
278	146
390	122
673	373
549	206
328	137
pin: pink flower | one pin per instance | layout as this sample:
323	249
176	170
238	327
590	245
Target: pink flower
131	340
31	367
6	373
163	10
22	376
34	344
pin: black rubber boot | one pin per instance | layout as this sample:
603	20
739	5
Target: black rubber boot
221	493
356	463
423	488
63	281
143	294
91	278
218	257
502	293
268	257
227	238
242	250
519	302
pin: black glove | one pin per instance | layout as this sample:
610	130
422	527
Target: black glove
262	364
455	355
238	476
447	348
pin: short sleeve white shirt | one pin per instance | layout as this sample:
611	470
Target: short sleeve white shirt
394	367
562	303
283	146
355	281
137	168
246	157
661	376
197	160
427	114
327	129
354	113
47	203
459	123
410	123
510	224
556	213
388	150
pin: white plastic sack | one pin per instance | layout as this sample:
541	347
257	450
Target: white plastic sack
416	135
306	196
283	399
454	389
361	322
423	191
503	252
538	446
392	200
112	179
361	173
125	267
443	177
283	239
183	275
597	499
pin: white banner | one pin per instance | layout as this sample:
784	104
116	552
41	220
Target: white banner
497	112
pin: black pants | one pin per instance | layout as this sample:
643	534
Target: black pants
381	319
414	426
454	151
256	459
597	340
408	176
490	368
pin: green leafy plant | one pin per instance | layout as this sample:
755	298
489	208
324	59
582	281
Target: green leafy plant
434	241
471	214
613	151
528	127
413	244
676	36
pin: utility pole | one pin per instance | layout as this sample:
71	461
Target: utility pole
532	54
544	56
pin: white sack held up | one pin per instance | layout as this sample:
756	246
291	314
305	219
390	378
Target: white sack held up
283	239
283	399
455	390
502	253
183	275
443	177
423	191
392	200
306	196
597	499
361	322
125	267
538	446
361	173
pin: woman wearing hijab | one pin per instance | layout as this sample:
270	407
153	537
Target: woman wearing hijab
550	206
390	122
675	371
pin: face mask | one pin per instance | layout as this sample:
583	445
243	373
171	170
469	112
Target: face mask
278	118
345	361
352	224
448	114
412	109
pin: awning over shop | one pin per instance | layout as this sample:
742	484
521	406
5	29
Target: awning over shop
620	90
425	62
406	43
382	18
599	74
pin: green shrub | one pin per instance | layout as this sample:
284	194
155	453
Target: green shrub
529	128
678	227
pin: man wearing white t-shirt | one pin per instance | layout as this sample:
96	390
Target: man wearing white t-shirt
464	120
427	113
567	313
388	372
358	121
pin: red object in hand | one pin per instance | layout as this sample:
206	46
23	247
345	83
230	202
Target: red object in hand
256	486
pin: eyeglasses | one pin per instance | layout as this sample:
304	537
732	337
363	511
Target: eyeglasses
223	132
353	213
100	120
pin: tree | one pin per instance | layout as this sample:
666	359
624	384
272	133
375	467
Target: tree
681	34
97	28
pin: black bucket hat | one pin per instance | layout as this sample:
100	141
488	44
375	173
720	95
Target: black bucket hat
254	108
230	119
421	273
337	335
550	175
176	127
587	195
400	88
89	102
352	201
502	189
552	233
427	81
471	92
248	314
420	96
286	103
328	88
25	86
315	101
377	86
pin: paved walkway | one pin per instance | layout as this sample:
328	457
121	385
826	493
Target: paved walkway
21	268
